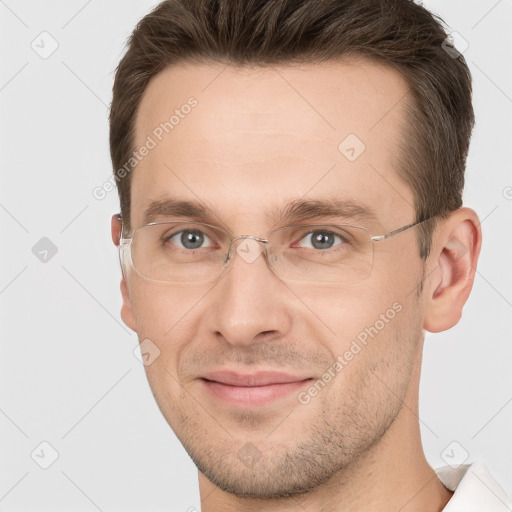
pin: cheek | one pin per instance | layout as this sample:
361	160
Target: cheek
166	323
375	352
367	324
159	308
166	316
338	314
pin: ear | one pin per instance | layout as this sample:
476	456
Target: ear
457	247
127	314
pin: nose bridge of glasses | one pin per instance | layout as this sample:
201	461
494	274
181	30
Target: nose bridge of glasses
248	247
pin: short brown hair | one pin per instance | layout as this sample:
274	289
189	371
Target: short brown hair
406	36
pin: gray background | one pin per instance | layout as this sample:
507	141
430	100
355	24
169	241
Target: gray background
68	373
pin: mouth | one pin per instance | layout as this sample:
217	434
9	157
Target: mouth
252	390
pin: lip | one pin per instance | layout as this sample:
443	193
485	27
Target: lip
251	390
260	378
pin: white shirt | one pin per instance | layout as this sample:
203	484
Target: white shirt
475	489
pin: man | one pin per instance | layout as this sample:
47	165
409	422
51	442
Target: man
290	176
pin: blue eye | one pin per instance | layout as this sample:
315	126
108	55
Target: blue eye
189	239
322	239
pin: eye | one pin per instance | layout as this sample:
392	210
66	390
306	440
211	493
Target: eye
321	240
189	239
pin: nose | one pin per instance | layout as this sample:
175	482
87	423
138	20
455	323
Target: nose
250	301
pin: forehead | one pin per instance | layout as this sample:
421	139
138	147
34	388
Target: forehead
252	137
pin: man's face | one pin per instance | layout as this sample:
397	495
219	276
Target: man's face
256	140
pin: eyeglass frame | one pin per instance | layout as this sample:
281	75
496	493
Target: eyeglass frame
126	241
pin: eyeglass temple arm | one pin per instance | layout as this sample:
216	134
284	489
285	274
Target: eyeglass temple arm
399	230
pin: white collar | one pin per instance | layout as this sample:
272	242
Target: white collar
475	489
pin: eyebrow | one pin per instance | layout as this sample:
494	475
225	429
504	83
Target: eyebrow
295	210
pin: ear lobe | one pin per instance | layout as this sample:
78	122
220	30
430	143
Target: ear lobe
458	248
127	313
